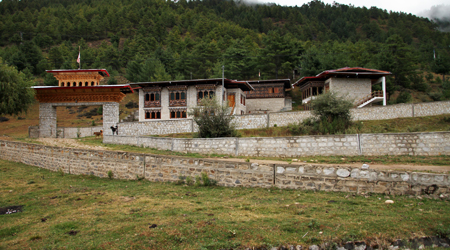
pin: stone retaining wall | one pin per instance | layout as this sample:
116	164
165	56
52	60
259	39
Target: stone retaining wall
251	121
125	165
429	143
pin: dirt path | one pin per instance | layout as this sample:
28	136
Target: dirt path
69	143
59	142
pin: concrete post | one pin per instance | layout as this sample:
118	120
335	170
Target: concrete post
47	120
383	85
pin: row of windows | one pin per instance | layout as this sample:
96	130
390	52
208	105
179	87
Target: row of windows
178	95
74	84
152	97
177	114
153	114
205	94
176	98
156	114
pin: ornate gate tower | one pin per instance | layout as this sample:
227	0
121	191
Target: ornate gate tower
79	88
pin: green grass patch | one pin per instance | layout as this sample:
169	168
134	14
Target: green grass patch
84	211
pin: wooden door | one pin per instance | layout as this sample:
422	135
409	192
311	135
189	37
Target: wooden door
231	102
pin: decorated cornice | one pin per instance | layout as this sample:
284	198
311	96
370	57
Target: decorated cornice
152	89
175	88
206	87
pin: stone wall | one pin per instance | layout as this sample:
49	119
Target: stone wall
250	121
352	88
73	132
430	143
261	105
47	120
125	165
157	127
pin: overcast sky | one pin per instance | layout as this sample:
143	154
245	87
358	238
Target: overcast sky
409	6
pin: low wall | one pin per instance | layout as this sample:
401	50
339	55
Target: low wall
429	143
127	165
251	121
61	132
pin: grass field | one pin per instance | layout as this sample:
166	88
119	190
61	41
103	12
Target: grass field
85	212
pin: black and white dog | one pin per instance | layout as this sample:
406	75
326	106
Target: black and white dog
115	130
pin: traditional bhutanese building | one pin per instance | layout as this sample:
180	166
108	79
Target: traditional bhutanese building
167	100
81	85
78	77
79	88
269	96
353	83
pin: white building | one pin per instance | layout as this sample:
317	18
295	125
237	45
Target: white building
172	99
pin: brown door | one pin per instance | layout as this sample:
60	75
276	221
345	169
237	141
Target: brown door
231	102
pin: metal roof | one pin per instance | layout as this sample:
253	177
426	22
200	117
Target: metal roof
347	71
125	88
102	72
286	82
244	85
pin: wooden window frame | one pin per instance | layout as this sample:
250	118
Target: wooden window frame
153	114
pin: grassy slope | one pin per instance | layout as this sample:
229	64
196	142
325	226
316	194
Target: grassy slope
116	214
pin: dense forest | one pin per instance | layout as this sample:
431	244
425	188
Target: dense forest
152	40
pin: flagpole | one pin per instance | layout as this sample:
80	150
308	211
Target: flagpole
79	59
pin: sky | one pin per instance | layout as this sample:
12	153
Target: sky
416	7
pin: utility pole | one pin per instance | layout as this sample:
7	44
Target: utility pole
223	83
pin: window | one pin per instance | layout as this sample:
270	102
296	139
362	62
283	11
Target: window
62	84
86	84
177	113
205	94
92	83
177	96
153	114
205	91
80	84
242	99
152	97
272	90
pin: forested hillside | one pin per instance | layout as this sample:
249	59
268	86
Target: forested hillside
150	40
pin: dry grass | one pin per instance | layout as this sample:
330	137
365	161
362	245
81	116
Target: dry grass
117	214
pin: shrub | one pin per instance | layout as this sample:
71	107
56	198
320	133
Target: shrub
213	119
189	181
330	106
331	115
100	110
202	180
110	174
61	172
404	97
180	180
299	128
